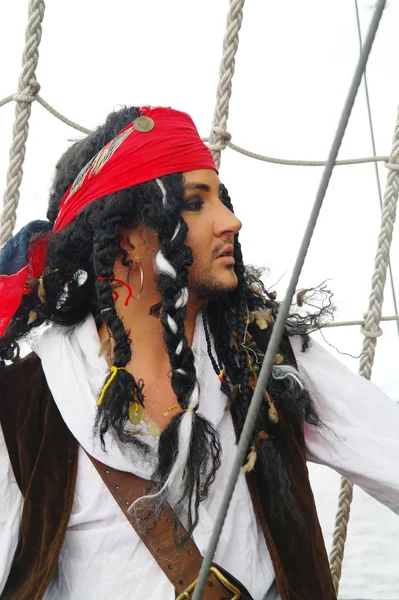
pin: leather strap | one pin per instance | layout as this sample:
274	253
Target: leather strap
180	565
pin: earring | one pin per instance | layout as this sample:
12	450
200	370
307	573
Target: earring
141	281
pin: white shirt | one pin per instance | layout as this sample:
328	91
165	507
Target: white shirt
102	557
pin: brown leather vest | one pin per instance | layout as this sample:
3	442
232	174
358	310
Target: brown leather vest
44	458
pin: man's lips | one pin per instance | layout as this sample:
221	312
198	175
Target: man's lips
227	251
226	255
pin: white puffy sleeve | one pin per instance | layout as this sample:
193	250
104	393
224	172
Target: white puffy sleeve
11	502
361	437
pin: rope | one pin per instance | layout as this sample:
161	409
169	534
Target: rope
377	175
340	531
279	326
47	106
27	90
226	137
7	99
304	163
61	117
371	331
350	323
290	161
372	317
224	89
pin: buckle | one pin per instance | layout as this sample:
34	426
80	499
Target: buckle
220	577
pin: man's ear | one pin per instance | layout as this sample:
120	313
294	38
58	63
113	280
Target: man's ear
130	240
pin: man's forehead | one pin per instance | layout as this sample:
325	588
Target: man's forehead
201	176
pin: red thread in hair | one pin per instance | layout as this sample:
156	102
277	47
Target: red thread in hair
114	292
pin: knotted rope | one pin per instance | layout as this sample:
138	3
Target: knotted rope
219	135
27	90
371	331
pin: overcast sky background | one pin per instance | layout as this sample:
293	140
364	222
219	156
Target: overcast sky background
293	69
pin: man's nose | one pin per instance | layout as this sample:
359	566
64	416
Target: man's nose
228	224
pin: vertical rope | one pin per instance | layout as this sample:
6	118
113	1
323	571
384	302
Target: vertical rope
377	175
340	531
371	331
224	89
27	90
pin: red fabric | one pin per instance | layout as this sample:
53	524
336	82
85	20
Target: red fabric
11	292
13	287
172	146
37	256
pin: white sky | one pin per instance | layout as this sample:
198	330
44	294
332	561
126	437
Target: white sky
293	69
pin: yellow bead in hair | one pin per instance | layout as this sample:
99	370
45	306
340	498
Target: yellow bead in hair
114	371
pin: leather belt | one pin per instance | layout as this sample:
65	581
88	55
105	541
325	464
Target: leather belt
180	565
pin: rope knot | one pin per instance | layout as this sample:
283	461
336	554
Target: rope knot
35	86
391	166
370	330
30	95
223	137
26	98
371	334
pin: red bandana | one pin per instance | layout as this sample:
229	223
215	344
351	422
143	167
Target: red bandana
160	142
135	156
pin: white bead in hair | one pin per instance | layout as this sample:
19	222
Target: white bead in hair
172	324
182	299
163	190
176	232
164	266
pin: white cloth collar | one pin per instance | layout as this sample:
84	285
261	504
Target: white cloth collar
75	375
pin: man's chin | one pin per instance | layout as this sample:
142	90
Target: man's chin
214	290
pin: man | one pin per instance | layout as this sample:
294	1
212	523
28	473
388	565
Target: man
155	335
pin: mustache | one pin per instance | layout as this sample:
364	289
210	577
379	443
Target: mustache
220	247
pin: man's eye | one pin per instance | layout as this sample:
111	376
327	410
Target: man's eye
193	204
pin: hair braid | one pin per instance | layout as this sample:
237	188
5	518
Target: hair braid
113	412
189	449
233	355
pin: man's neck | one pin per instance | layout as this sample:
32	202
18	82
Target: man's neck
146	331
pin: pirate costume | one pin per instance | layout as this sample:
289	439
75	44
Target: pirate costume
63	535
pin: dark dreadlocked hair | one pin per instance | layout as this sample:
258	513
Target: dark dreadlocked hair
89	246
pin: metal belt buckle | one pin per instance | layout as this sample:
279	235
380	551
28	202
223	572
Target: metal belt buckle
220	577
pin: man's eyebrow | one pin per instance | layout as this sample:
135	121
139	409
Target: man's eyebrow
199	186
